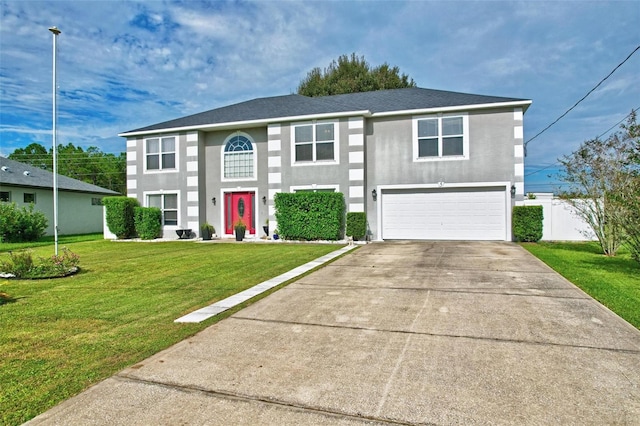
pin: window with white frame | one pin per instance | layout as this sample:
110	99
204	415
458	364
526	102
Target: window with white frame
238	158
168	204
441	137
315	142
161	153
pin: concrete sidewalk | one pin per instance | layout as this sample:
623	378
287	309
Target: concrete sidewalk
400	333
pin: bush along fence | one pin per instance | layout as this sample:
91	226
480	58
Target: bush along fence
527	223
310	216
21	224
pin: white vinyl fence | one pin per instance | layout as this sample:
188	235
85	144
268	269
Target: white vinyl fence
560	222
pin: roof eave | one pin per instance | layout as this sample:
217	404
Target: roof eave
246	123
524	104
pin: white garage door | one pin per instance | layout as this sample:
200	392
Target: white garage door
444	214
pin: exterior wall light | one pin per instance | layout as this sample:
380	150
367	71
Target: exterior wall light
374	194
513	191
264	199
213	200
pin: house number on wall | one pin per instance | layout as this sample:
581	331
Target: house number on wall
241	207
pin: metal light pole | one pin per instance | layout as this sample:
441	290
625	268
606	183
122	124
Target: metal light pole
55	31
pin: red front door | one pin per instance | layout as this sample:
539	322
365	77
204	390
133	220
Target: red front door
239	206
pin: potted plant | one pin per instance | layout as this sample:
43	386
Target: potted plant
275	234
265	228
207	231
240	229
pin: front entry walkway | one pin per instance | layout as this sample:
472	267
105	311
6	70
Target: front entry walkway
393	333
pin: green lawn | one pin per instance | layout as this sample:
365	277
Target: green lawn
62	335
613	281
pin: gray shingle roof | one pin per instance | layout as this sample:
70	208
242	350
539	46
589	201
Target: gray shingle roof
14	175
382	101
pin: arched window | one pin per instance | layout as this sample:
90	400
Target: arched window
238	158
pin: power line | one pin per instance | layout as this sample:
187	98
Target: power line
598	137
583	98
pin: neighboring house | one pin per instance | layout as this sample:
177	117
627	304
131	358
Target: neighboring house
422	163
79	203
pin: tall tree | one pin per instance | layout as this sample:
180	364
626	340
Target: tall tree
599	178
351	74
91	166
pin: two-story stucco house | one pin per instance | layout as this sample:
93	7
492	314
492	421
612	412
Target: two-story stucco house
422	163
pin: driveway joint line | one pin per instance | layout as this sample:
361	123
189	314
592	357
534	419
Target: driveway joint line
248	398
241	297
455	336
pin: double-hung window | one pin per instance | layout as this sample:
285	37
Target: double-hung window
315	142
161	153
168	204
441	137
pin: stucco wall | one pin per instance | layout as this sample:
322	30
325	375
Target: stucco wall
76	214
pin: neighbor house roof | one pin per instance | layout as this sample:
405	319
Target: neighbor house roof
14	173
298	107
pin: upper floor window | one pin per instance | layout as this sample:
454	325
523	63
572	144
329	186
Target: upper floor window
441	137
315	142
168	203
239	158
161	153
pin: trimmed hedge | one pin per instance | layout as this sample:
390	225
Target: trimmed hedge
527	223
120	215
310	216
21	224
356	225
148	222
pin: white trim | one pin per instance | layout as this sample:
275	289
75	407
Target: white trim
517	114
451	109
273	145
507	192
356	157
249	123
132	143
519	169
518	151
192	137
356	191
192	196
274	161
194	226
356	207
356	123
132	155
132	183
356	174
273	129
192	181
176	153
336	143
255	158
272	193
274	178
518	132
192	211
465	138
356	140
192	151
145	202
192	166
294	188
132	170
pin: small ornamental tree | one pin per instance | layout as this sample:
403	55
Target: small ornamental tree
120	216
527	223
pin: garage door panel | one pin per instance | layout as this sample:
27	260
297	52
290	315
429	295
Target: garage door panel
473	214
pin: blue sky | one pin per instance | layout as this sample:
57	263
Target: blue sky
123	64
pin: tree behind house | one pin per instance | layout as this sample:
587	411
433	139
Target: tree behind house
352	74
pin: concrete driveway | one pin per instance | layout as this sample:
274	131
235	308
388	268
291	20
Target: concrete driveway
401	333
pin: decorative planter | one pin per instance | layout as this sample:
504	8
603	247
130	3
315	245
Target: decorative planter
240	234
265	228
